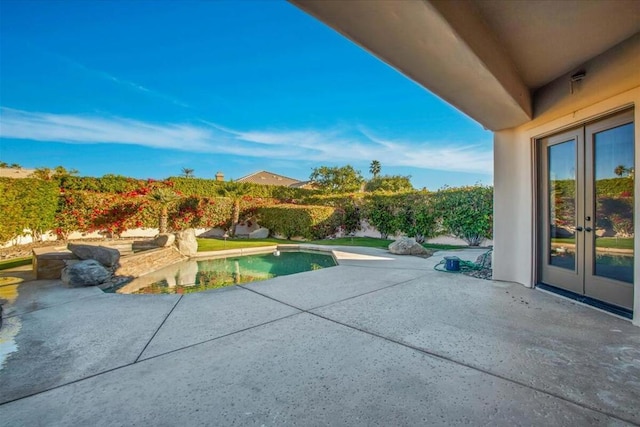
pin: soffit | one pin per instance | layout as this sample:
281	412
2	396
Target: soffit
415	38
547	38
485	57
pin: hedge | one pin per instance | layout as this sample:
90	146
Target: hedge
113	204
27	204
466	212
309	222
213	188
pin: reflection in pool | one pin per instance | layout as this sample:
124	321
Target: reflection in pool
201	275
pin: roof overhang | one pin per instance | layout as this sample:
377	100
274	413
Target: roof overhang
454	57
488	58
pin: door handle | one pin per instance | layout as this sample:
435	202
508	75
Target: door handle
579	228
588	229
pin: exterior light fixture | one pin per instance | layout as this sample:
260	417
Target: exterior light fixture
576	77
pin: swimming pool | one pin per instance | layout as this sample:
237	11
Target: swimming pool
201	275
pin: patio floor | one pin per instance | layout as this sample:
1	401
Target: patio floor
378	340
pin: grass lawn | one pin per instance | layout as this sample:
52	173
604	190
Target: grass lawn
613	242
443	247
603	242
16	262
208	244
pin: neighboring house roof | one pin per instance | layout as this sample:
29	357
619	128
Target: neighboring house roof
270	178
15	172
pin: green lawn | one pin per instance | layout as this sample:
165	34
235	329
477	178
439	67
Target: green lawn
16	262
603	242
369	242
209	244
442	247
205	245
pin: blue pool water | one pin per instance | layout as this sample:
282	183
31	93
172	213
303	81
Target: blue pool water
201	275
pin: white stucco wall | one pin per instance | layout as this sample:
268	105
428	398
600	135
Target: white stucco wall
515	183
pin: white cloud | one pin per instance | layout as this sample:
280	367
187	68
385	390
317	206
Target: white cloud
335	146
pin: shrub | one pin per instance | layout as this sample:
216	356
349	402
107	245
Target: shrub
27	204
351	204
384	212
213	188
310	222
419	217
467	212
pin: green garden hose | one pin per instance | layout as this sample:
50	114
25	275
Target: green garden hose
465	266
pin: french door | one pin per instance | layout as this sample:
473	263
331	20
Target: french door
586	200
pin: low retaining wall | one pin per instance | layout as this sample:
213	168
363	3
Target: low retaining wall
145	262
48	262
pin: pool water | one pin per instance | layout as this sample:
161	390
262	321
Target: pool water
201	275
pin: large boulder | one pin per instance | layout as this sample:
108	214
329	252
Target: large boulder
407	246
260	233
105	256
85	273
164	240
186	242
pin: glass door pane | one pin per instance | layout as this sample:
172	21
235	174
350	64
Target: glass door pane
614	174
561	195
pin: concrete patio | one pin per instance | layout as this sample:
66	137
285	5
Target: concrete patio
378	340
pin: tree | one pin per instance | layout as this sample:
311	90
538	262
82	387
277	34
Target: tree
375	168
343	179
419	217
622	170
467	212
235	191
62	172
58	173
163	198
390	183
188	173
383	213
42	173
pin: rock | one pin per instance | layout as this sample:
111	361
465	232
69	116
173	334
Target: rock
85	273
484	260
105	256
186	242
49	265
164	240
407	246
260	233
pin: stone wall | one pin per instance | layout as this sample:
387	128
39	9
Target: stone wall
145	262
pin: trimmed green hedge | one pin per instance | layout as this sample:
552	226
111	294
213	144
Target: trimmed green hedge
27	204
213	188
310	222
114	204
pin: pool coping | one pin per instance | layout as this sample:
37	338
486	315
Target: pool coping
261	250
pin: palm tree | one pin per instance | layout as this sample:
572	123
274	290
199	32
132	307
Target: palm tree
163	197
620	170
235	191
188	173
375	168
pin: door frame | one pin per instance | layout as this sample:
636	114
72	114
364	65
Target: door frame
608	120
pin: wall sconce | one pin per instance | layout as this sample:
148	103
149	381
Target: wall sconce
579	76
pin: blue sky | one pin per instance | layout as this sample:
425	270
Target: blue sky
143	89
